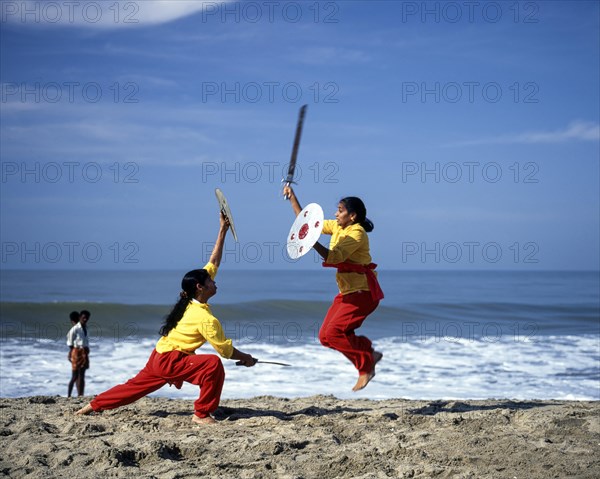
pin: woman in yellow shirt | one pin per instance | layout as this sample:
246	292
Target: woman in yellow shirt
359	290
188	326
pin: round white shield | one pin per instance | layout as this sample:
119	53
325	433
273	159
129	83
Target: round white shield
305	231
224	206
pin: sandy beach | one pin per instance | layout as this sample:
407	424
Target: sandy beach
312	437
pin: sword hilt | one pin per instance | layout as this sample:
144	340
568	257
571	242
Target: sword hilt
241	363
288	183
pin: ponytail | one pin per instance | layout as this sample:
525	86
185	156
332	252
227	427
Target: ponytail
368	225
188	292
356	206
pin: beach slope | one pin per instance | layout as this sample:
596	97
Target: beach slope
312	437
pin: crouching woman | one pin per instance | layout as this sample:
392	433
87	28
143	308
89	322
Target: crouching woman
189	325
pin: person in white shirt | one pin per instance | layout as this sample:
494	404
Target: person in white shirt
74	318
79	350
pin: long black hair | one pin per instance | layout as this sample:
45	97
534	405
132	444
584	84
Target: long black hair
188	292
356	206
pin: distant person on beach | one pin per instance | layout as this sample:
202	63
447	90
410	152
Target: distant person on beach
79	351
188	326
74	318
359	289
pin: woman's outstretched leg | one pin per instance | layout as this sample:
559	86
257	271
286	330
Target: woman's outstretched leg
144	383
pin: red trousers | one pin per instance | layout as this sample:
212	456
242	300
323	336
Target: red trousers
174	367
346	314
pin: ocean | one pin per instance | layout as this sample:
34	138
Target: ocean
444	335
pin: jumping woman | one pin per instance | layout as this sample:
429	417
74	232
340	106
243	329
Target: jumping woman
188	326
357	282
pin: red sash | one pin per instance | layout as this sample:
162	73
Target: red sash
345	267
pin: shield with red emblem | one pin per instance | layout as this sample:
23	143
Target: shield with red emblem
305	231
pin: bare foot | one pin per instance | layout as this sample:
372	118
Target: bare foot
87	409
203	421
364	379
376	358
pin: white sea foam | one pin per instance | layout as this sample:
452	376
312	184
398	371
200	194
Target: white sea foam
552	367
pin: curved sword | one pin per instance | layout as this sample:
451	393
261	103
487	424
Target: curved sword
240	363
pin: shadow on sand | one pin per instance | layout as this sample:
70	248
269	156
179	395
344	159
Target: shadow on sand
436	407
233	414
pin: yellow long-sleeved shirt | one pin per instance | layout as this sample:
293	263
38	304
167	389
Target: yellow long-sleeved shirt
196	327
349	244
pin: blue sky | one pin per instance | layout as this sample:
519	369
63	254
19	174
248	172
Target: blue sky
470	130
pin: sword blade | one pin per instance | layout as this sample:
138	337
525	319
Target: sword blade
272	362
292	166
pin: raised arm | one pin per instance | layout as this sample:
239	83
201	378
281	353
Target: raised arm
291	196
217	252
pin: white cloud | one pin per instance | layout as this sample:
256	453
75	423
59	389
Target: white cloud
19	107
576	131
332	56
146	133
473	215
99	14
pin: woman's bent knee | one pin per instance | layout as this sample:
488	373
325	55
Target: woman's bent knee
215	364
